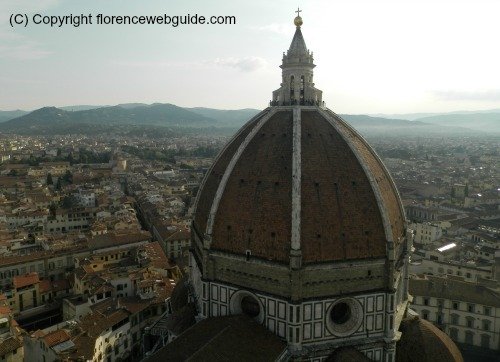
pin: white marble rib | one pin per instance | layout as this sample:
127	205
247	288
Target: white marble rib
296	178
230	167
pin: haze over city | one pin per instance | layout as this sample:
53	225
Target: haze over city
372	57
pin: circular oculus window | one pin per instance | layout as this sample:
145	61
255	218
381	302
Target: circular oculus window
243	302
344	317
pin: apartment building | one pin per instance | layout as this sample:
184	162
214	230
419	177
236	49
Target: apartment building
468	312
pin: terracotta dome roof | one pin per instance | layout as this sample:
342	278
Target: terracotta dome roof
421	341
345	203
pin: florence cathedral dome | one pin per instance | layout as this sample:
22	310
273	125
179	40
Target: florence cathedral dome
299	240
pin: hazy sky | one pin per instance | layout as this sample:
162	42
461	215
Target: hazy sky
372	56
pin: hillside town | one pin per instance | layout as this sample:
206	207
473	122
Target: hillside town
95	233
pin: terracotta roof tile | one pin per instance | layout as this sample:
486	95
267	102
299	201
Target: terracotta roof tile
211	182
45	286
5	310
340	216
448	288
21	281
56	337
422	341
223	339
9	345
261	181
156	255
388	191
349	204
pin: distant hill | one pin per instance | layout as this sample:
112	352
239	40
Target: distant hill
7	115
132	105
224	117
378	126
485	122
361	120
154	114
415	116
51	119
82	107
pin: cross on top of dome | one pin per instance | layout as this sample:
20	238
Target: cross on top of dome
298	20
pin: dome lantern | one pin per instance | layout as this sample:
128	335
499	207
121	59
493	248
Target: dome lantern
297	86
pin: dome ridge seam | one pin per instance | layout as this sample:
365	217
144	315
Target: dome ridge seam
230	167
